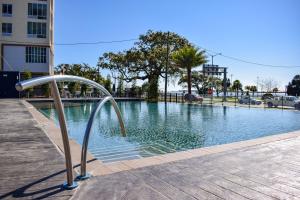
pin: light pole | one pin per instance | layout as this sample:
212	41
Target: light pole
212	57
225	84
212	61
167	66
231	83
257	81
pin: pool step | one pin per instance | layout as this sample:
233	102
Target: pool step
127	152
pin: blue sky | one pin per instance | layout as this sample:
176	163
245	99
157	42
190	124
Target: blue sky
264	31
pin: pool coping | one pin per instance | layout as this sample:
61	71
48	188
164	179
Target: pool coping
96	167
53	132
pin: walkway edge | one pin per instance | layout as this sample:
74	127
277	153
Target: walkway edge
53	133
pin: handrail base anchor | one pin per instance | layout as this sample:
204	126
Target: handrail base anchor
84	177
66	186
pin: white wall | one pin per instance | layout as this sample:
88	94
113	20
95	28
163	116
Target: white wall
15	60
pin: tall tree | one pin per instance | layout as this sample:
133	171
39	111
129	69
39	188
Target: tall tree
268	84
218	85
293	87
247	87
134	90
275	90
146	60
120	89
198	81
107	83
253	89
202	83
187	58
83	70
237	86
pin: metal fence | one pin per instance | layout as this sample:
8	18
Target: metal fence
231	100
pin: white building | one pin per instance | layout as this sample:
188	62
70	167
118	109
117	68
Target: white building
26	37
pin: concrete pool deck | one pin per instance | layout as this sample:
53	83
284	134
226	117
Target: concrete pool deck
31	166
263	168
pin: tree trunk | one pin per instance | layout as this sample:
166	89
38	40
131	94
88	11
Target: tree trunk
198	89
153	88
189	73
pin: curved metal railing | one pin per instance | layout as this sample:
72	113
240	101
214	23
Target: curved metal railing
70	184
83	175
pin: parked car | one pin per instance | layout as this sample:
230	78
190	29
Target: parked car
267	96
297	105
247	100
193	97
289	101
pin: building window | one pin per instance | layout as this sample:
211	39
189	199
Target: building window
37	10
6	29
36	29
36	54
7	10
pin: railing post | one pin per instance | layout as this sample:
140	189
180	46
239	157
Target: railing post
176	97
170	97
83	175
235	98
23	85
249	101
70	184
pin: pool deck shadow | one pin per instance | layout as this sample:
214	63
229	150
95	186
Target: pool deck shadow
32	166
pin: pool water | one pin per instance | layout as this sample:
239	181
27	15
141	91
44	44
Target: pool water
159	128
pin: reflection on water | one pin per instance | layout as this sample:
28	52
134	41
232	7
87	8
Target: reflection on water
157	128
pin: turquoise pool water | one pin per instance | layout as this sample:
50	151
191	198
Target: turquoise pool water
159	128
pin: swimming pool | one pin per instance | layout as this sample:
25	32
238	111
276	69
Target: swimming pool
159	128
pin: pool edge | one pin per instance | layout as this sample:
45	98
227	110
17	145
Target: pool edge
53	133
97	168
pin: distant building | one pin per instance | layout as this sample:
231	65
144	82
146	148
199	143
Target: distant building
26	38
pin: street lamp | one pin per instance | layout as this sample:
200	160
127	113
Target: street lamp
167	66
212	57
257	82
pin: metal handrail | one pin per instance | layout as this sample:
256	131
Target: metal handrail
59	78
83	175
70	184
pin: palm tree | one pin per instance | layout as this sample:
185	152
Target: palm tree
187	58
247	87
237	86
253	89
275	90
218	85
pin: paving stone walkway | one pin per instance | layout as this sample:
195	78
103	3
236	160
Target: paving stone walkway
31	167
266	171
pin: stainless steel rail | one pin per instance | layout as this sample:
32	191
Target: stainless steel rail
70	184
83	175
58	78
